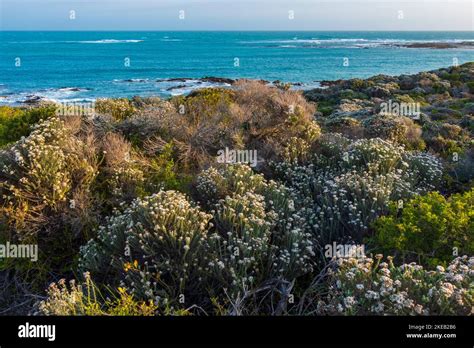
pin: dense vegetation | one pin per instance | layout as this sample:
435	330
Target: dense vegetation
132	207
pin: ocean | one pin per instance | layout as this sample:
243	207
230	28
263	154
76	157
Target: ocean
83	66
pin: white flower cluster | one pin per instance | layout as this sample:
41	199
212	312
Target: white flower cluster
244	248
353	186
42	164
367	286
163	233
37	174
261	232
62	301
125	181
425	171
214	184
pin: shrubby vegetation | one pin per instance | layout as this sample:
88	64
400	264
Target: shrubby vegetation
45	196
132	207
445	225
16	123
157	247
350	183
371	287
86	299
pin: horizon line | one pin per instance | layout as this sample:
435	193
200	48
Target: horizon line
227	30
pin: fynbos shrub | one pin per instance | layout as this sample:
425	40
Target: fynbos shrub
156	247
368	287
429	229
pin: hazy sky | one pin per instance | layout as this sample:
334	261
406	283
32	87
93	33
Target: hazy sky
237	14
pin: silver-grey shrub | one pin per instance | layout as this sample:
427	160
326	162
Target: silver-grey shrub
348	185
156	247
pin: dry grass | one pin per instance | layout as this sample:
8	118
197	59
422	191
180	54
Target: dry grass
116	149
252	116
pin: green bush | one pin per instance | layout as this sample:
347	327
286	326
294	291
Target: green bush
359	84
430	229
326	107
470	85
16	123
119	109
204	103
163	172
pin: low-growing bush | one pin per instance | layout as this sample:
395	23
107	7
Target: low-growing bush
121	175
45	198
162	172
447	139
214	184
40	174
398	129
470	86
164	237
86	299
460	172
262	240
430	229
274	122
119	109
205	103
371	287
347	126
345	193
16	123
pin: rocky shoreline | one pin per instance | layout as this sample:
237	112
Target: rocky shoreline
179	85
437	45
433	84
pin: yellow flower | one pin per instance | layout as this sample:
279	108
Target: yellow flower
127	266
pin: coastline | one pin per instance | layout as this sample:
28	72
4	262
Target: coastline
182	87
302	59
247	162
177	86
252	167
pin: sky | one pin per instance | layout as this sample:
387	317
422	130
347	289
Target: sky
237	15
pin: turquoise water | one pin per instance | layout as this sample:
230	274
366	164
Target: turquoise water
87	65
